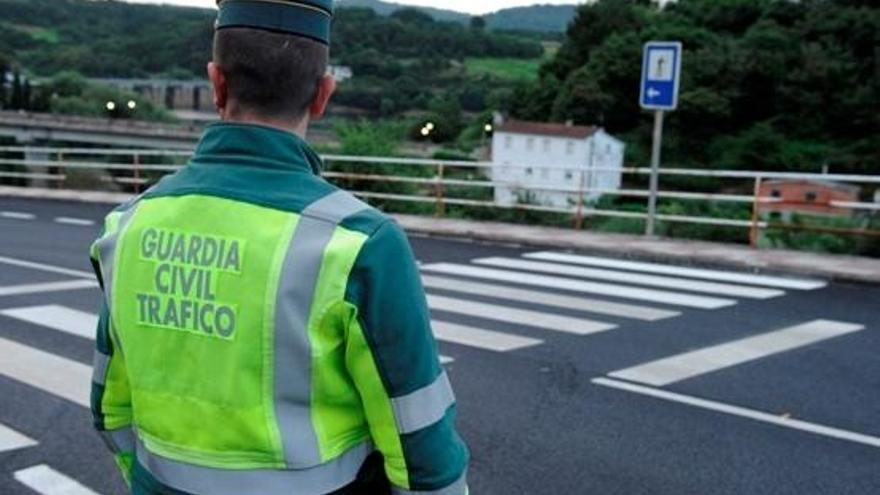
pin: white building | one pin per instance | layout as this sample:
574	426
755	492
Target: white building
551	163
341	73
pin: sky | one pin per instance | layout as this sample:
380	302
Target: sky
469	6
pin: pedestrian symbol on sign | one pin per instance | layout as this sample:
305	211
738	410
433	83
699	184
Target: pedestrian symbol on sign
660	63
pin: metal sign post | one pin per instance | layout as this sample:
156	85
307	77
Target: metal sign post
661	73
655	172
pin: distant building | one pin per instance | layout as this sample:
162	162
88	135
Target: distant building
194	95
808	196
551	163
189	95
341	73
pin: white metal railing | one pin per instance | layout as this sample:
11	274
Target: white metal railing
433	179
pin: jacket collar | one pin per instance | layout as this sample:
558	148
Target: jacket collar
235	143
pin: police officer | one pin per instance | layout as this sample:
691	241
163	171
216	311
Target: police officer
262	331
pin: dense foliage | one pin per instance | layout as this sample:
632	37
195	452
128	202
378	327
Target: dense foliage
405	61
766	84
401	62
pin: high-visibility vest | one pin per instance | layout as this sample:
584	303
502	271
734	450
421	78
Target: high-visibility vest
263	332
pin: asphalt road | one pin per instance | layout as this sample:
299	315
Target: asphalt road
772	385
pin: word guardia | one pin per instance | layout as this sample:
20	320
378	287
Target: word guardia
184	282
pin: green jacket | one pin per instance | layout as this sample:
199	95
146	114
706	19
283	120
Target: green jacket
263	332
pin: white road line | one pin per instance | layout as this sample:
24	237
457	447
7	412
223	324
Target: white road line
446	360
633	278
13	440
15	290
680	271
537	319
74	221
644	313
17	215
56	375
480	338
622	291
57	317
702	361
46	268
742	412
46	481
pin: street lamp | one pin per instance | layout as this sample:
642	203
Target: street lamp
132	104
429	126
111	105
425	131
487	128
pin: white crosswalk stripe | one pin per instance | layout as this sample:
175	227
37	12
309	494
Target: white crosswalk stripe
57	317
695	363
74	221
46	268
480	338
633	278
47	481
598	306
611	290
56	375
536	319
17	215
680	271
13	440
17	290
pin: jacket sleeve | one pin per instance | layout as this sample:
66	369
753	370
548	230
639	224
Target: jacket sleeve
111	395
392	357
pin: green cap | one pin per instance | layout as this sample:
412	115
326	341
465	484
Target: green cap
308	18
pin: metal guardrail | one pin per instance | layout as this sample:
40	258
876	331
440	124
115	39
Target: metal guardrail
433	178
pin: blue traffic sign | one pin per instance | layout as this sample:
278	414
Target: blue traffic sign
661	71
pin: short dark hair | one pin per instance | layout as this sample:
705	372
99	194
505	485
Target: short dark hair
271	74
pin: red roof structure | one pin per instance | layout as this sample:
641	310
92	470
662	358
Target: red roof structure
547	129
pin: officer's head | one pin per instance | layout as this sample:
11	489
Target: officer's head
270	60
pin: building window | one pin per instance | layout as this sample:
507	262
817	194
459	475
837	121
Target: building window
776	193
546	145
569	175
508	142
569	148
530	144
530	171
811	196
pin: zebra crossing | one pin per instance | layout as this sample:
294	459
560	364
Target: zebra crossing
590	287
39	478
496	304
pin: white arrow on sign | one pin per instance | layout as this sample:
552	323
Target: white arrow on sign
653	93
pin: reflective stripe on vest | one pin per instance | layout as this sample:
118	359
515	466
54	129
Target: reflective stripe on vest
100	365
119	441
106	248
458	488
317	480
293	305
423	407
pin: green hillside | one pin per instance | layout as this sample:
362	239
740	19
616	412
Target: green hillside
402	62
539	18
542	18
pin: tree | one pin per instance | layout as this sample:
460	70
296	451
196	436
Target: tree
16	101
762	81
26	95
478	23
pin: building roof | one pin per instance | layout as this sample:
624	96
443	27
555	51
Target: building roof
547	129
818	183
